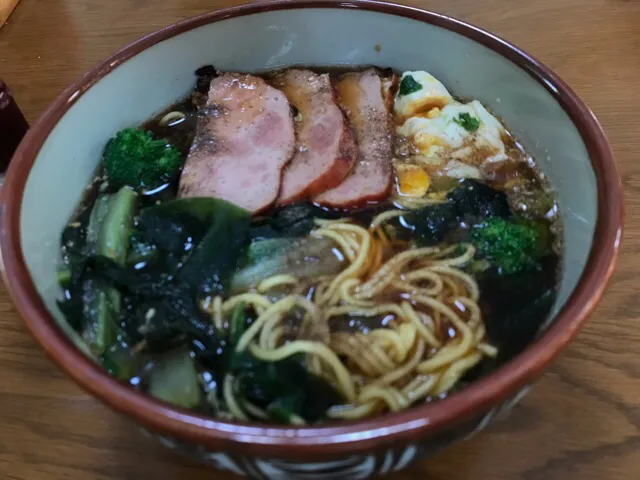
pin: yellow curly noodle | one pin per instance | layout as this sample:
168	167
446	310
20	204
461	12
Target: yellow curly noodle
433	334
411	203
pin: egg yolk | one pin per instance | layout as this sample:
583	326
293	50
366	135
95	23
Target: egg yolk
413	181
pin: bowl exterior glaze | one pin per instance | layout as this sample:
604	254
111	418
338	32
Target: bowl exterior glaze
358	466
60	153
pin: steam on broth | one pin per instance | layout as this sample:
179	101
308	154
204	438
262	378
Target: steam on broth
308	245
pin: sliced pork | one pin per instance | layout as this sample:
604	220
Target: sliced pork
361	96
244	139
325	150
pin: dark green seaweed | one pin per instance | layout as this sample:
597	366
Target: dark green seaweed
515	306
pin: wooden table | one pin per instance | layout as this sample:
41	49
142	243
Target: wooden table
582	421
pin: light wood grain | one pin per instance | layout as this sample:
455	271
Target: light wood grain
6	7
582	420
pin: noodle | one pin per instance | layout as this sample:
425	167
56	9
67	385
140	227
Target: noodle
230	398
413	202
432	335
383	217
343	378
276	281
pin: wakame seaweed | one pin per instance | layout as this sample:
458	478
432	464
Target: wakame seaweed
515	306
294	220
469	203
214	257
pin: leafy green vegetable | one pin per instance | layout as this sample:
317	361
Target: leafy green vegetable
283	409
478	267
134	158
96	220
174	379
121	361
74	251
284	388
100	313
408	85
530	201
214	259
468	122
238	323
115	228
74	243
141	252
262	250
64	277
301	257
92	299
510	246
298	219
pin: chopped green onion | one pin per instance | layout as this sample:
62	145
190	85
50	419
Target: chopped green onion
408	85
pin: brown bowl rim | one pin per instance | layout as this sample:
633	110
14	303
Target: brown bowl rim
344	438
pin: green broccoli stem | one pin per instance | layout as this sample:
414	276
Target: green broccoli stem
109	236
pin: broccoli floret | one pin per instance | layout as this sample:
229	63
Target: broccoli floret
135	159
510	246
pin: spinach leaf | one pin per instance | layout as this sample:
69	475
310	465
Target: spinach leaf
74	252
122	362
238	323
285	387
282	409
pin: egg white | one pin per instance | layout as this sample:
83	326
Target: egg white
441	139
433	94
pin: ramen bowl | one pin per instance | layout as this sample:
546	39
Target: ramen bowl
58	157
